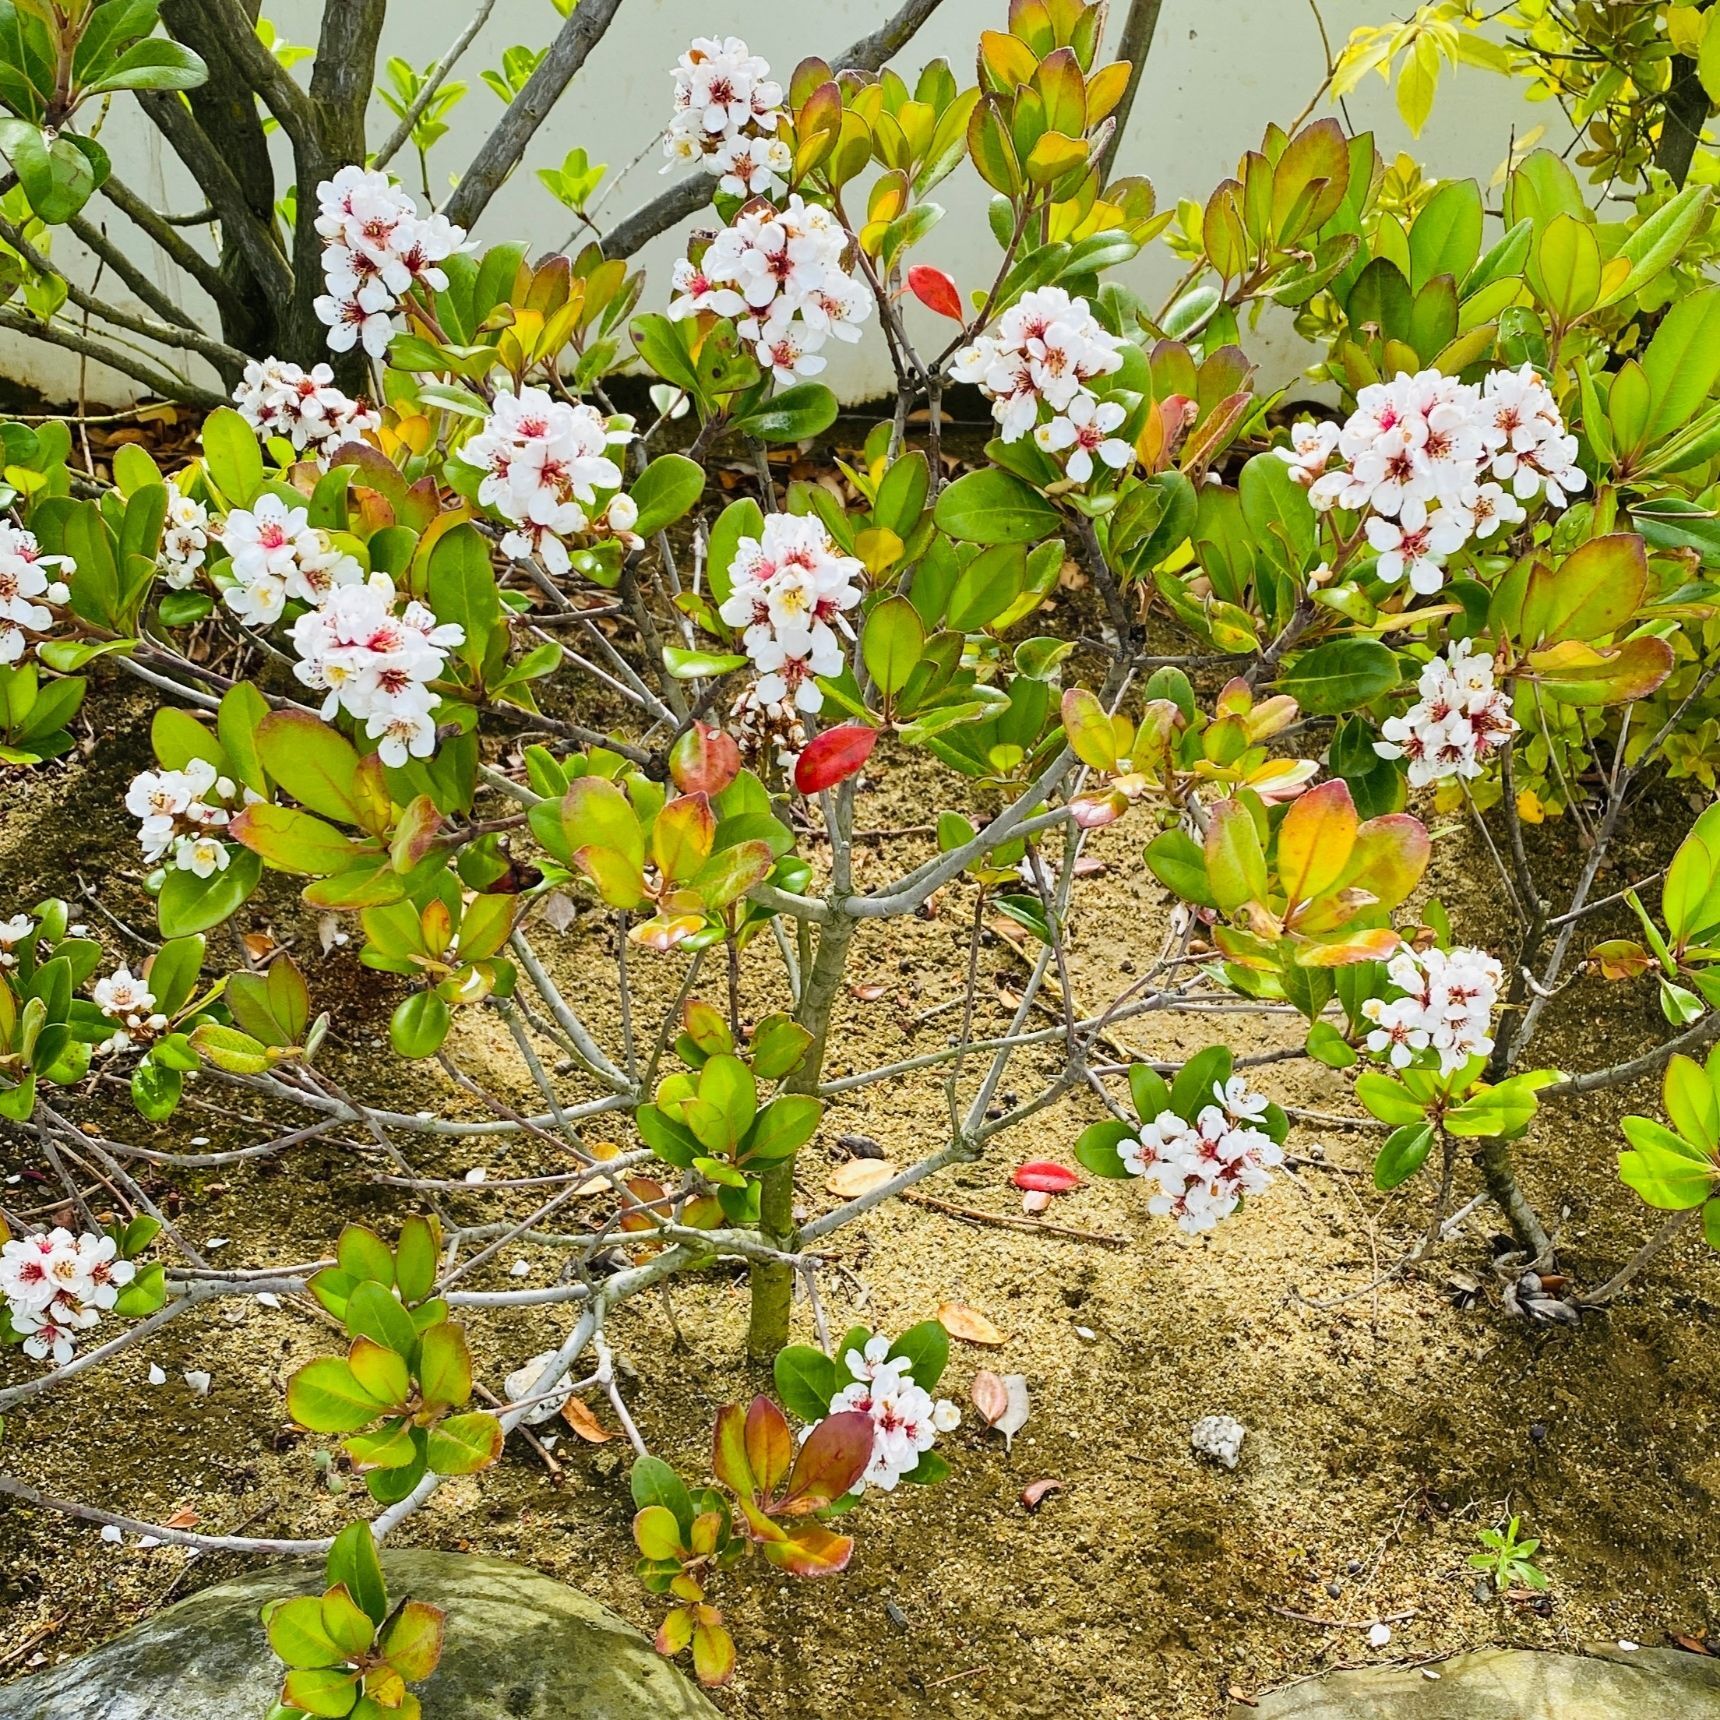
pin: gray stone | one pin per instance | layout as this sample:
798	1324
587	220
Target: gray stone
1511	1684
520	1646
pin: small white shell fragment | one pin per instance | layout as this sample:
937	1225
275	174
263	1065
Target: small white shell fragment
523	1383
1219	1438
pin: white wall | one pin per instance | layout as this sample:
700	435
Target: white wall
1220	70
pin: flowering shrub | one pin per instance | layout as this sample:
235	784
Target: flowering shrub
449	645
1207	1140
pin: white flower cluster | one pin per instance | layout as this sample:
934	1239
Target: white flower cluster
544	461
728	109
1459	720
276	554
1447	1007
376	249
905	1420
374	664
183	813
126	1000
1429	457
57	1285
789	589
779	273
184	539
1043	352
1204	1168
280	399
22	583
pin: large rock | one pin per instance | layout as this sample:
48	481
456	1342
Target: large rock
520	1646
1511	1684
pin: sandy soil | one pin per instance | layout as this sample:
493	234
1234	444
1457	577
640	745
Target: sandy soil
1384	1425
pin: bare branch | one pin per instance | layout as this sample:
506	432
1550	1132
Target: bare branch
432	84
168	386
503	149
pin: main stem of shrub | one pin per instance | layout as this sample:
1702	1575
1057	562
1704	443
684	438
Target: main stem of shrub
772	1282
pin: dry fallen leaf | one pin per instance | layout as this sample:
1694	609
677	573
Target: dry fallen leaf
1001	1400
578	1416
259	946
559	910
184	1518
990	1396
1035	1492
968	1324
859	1176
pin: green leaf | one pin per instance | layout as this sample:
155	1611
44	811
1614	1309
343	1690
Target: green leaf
792	414
190	904
325	1396
1340	675
294	841
297	1634
926	1350
891	643
993	506
232	457
445	1366
58	177
653	1482
1403	1154
461	586
373	1311
330	1693
419	1025
1096	1147
152	64
1666	1170
1388	1100
665	491
413	1643
806	1381
317	766
353	1563
464	1444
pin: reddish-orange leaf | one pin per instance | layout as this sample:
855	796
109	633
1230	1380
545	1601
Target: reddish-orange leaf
834	756
1045	1175
578	1416
936	291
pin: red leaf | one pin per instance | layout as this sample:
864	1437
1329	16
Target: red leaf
833	756
1043	1174
833	1458
704	760
936	291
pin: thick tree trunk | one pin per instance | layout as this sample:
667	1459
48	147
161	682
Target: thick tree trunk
226	111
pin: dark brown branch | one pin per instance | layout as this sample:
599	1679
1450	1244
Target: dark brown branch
260	70
164	334
208	166
503	149
1134	45
157	381
686	196
112	257
179	250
